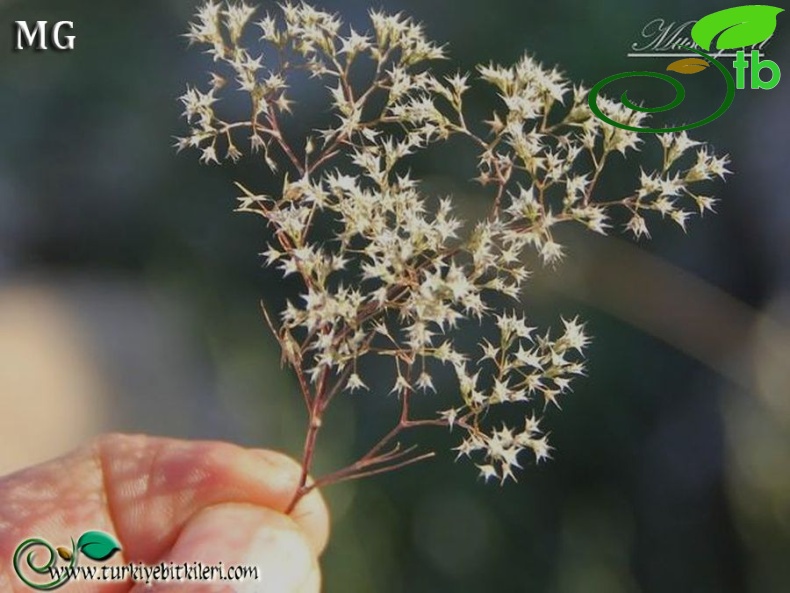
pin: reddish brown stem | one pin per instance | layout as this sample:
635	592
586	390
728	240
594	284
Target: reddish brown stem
278	136
371	463
344	475
307	459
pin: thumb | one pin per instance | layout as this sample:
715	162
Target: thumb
239	548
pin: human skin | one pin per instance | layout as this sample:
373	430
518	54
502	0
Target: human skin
167	500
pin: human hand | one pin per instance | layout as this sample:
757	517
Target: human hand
167	500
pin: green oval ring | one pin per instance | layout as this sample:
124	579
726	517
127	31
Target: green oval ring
680	94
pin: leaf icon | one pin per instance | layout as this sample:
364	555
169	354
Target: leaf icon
739	26
688	66
97	545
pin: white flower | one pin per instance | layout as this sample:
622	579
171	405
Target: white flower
551	252
541	449
209	155
638	226
236	17
355	383
488	472
425	382
387	272
449	416
574	335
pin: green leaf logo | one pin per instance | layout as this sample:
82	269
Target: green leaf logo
739	26
97	545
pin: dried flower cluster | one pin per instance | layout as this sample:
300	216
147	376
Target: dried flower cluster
401	272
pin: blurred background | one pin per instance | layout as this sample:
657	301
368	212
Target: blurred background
129	298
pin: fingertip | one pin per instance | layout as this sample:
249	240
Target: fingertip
313	582
169	480
270	547
311	512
